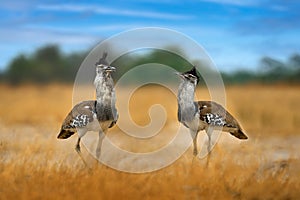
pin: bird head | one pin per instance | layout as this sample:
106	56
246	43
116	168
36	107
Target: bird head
190	76
103	67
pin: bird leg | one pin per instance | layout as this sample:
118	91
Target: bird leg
195	151
194	137
209	132
77	148
209	144
99	146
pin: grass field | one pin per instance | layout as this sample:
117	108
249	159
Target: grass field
35	165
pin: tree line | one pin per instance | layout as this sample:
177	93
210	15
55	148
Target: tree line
48	64
270	70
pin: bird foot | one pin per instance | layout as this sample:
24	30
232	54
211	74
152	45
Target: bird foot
97	155
195	152
77	148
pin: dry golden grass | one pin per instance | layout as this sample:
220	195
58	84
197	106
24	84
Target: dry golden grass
35	165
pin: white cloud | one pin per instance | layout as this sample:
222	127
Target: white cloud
92	30
111	11
234	2
280	8
14	5
25	40
42	36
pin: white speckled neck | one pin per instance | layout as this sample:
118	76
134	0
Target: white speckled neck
186	106
106	98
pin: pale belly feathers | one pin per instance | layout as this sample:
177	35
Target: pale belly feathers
95	125
196	124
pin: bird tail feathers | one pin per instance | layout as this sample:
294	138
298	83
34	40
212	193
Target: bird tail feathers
239	134
64	134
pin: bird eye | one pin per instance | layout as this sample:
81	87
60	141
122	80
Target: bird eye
189	76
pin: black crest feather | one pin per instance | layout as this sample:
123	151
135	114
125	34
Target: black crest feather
103	60
193	71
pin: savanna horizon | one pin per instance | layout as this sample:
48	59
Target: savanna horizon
34	164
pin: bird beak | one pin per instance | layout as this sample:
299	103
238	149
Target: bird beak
178	74
110	69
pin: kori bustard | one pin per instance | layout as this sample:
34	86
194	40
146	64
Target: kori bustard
203	115
94	115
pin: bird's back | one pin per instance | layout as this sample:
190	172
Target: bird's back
79	117
214	114
85	116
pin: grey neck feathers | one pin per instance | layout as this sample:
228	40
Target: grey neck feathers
186	105
106	98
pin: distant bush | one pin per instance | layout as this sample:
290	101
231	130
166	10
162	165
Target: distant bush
48	64
270	71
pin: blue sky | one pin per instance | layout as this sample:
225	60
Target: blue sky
235	33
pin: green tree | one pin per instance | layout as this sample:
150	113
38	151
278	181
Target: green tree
46	64
273	70
294	61
19	70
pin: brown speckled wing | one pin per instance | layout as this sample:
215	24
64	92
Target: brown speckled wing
213	113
